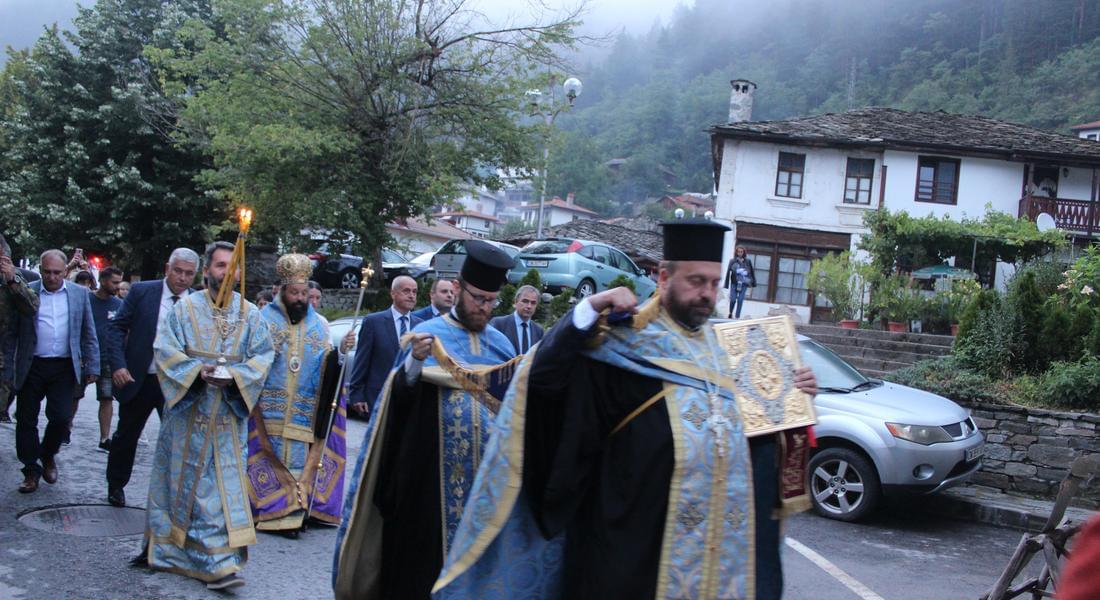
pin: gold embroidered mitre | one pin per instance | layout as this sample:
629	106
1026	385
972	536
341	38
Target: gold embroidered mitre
293	268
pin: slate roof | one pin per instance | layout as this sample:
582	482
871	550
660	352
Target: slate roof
639	245
889	128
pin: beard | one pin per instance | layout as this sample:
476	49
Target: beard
213	284
296	311
689	314
474	320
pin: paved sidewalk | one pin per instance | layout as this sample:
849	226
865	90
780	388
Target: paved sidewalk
983	504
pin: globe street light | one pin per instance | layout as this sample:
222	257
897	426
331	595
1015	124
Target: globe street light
546	106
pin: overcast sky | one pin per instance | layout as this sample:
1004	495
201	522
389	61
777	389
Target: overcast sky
21	21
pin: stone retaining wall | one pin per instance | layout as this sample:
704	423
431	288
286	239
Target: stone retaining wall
1029	450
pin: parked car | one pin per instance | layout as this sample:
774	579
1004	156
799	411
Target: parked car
448	260
336	270
581	265
345	270
395	264
875	437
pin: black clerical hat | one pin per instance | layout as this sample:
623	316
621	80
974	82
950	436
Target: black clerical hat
486	266
694	239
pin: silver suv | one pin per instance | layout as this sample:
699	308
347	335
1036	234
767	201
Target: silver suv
876	437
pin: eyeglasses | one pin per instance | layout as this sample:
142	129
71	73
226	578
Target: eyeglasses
482	300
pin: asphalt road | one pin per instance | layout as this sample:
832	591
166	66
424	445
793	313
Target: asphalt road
901	553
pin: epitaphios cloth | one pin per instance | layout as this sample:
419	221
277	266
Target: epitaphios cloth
708	548
469	372
199	522
283	452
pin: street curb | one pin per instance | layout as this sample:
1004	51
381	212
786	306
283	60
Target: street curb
990	506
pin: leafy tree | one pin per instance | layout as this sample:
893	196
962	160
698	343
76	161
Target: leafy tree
338	116
89	160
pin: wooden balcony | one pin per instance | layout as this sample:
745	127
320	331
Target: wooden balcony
1079	216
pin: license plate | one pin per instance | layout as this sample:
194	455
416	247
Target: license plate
538	263
975	453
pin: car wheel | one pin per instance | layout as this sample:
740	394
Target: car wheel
843	484
586	288
349	280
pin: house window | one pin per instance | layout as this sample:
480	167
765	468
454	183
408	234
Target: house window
762	267
1091	136
857	181
788	180
781	272
790	281
938	180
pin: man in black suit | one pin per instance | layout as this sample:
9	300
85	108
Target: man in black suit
442	299
518	326
129	341
378	343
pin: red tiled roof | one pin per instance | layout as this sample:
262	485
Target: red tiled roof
438	228
1093	125
558	202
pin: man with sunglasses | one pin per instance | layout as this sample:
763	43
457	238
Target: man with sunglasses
432	422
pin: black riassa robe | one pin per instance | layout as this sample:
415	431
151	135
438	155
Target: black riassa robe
609	493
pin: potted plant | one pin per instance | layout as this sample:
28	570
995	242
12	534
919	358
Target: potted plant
956	298
892	300
836	278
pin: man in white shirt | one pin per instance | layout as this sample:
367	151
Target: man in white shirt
379	339
442	299
130	337
58	350
520	327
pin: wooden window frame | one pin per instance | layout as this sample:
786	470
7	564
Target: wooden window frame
954	188
781	169
870	182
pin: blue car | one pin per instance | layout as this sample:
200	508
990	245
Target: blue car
584	266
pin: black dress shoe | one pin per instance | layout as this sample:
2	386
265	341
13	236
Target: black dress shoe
141	560
116	497
105	444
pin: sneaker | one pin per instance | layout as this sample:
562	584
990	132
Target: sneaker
229	581
105	444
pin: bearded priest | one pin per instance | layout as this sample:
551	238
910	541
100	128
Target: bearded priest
287	429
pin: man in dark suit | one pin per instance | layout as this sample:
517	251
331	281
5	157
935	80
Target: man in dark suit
129	341
442	299
57	351
378	343
518	326
16	299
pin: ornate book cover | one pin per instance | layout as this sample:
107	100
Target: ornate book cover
763	354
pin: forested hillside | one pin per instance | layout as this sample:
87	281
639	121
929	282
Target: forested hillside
652	97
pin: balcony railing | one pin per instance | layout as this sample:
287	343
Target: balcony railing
1070	215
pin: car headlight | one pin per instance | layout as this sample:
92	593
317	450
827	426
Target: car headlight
920	434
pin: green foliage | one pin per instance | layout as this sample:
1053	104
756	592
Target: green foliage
950	378
1073	385
958	297
507	299
893	299
1081	285
1053	343
90	156
532	278
1025	303
840	278
657	212
900	241
622	281
339	116
1048	275
557	307
989	337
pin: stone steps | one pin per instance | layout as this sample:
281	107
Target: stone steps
878	353
874	334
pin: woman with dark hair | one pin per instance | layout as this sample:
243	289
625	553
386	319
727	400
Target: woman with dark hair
739	278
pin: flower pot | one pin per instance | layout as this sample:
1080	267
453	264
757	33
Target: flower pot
954	329
849	324
897	327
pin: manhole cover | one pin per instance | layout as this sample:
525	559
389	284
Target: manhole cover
86	520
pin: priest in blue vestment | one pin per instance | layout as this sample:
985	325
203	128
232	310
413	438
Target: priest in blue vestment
428	430
199	522
288	433
620	465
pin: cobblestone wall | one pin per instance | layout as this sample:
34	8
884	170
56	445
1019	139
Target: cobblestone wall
1029	450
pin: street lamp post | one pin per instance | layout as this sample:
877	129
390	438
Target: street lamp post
549	110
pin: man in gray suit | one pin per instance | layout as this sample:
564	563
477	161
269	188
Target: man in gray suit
519	327
57	351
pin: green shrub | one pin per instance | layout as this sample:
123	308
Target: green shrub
1048	276
981	302
1053	343
533	279
991	345
1026	301
622	281
947	377
507	298
557	307
1073	385
839	278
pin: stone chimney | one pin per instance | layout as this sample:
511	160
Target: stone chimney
569	198
741	100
